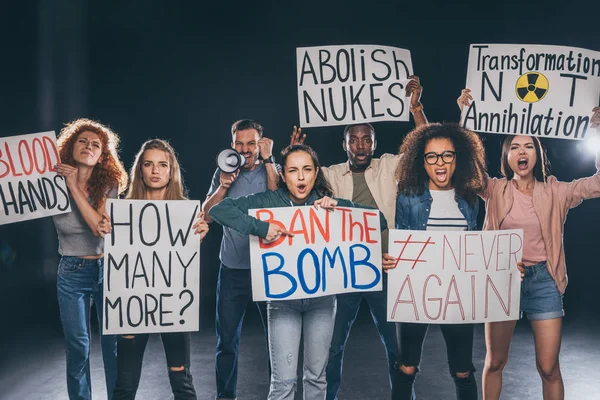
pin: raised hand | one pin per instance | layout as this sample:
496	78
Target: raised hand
595	121
414	90
265	147
464	99
297	136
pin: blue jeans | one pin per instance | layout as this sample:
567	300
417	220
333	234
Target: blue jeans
234	292
540	298
348	305
78	282
288	319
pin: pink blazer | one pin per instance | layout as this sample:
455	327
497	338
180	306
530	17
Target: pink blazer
551	201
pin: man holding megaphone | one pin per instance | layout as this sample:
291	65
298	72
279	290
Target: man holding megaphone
240	173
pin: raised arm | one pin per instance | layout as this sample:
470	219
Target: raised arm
414	90
91	215
297	137
576	191
464	100
265	146
218	190
233	213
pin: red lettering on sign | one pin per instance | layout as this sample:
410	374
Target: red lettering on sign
413	260
367	228
261	242
314	221
411	301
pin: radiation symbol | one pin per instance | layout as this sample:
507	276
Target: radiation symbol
532	87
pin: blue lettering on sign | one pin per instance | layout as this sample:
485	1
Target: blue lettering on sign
321	270
277	271
365	262
331	258
301	256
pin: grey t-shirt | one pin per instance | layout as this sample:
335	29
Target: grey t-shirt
74	235
235	247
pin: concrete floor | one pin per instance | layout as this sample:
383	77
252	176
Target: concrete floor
33	364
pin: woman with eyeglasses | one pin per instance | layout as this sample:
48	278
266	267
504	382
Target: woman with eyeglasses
439	178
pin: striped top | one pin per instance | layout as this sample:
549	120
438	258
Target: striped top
445	215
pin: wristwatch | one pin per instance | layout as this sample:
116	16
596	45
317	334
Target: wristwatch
269	160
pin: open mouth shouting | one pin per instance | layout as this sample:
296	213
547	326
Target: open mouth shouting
361	156
301	188
441	175
523	163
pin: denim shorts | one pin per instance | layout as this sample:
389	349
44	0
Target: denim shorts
540	297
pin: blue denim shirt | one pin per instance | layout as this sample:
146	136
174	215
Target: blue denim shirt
412	212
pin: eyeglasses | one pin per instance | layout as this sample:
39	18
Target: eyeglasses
432	158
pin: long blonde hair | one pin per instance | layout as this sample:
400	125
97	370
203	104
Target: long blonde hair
175	188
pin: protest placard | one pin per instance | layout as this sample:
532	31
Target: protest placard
340	85
151	267
454	277
29	185
330	252
546	91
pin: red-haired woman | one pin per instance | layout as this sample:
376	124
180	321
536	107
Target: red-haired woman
93	173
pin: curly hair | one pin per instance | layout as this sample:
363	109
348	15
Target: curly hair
322	186
175	188
109	172
469	177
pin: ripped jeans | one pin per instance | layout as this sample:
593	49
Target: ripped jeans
130	357
312	318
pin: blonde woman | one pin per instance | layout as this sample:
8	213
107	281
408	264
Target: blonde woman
156	175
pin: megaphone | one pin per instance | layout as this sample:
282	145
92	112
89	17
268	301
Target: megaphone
230	161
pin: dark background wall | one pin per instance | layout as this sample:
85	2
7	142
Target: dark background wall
185	71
